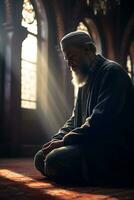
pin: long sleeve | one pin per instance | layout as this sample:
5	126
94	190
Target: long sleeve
68	126
110	102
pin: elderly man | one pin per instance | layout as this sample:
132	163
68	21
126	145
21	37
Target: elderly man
95	145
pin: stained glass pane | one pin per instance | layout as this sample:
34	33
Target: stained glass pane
28	12
28	81
129	67
29	57
29	48
30	27
28	104
28	17
82	27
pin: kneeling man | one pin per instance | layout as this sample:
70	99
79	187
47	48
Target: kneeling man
95	145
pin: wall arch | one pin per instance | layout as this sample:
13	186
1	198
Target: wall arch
93	31
126	41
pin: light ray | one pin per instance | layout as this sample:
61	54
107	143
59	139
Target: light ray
48	188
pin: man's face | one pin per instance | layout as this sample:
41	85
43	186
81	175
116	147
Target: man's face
78	59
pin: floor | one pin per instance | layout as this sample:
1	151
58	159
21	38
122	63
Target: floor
19	180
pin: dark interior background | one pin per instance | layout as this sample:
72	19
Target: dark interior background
23	131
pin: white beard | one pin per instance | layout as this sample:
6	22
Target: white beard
78	79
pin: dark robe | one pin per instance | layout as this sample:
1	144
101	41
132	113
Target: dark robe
102	122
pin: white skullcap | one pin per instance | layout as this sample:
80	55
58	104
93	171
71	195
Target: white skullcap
76	38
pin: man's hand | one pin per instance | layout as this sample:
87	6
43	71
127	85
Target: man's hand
48	143
53	144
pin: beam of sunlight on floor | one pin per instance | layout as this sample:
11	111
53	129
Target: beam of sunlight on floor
50	189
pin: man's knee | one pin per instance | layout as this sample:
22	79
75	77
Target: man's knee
48	164
55	162
51	163
39	161
63	165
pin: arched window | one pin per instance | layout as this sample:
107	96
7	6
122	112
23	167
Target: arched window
130	61
129	66
127	48
29	58
82	27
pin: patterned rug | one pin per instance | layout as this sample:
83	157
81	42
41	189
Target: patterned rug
20	181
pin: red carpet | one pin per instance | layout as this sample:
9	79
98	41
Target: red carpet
20	181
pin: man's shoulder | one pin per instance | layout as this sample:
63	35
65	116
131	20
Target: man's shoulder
110	65
110	68
107	64
113	69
